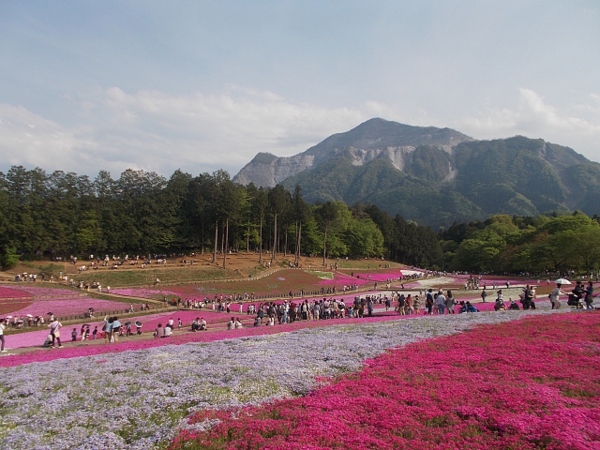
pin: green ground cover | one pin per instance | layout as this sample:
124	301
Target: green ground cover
125	277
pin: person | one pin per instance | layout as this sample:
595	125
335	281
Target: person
416	304
576	298
401	304
499	295
471	308
440	302
160	331
2	328
483	294
555	295
429	301
95	333
589	295
55	327
450	302
527	297
467	307
116	327
238	324
231	324
203	325
106	328
74	335
500	305
514	305
167	331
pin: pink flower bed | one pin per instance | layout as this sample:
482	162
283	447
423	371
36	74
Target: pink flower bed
365	278
46	291
380	277
341	280
67	307
523	385
36	338
211	318
9	293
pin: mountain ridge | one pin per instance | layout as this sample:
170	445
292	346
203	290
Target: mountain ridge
436	175
375	138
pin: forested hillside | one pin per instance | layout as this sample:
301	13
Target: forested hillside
516	176
59	214
435	176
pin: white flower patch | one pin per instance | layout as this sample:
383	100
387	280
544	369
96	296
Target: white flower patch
138	399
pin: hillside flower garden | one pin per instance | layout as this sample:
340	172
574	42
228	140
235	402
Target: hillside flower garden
325	387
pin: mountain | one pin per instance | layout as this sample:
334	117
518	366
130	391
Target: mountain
436	176
374	139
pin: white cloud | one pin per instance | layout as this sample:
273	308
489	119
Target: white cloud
156	131
574	125
226	129
33	141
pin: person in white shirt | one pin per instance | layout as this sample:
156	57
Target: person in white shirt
55	326
554	297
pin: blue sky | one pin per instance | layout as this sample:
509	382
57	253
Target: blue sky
197	85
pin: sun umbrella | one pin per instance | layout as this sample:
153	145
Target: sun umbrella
562	281
8	317
50	314
29	315
138	323
127	323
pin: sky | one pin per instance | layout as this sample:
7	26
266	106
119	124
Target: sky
205	85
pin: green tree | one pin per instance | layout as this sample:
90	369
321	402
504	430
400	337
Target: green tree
326	214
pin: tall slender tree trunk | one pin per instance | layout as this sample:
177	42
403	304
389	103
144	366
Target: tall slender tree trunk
223	239
275	239
299	243
286	243
325	247
202	239
226	242
260	243
248	239
216	240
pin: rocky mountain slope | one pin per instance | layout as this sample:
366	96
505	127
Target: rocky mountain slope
436	176
374	139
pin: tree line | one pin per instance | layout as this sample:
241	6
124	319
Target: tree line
45	215
541	244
